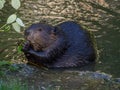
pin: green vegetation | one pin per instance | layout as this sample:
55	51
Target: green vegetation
13	20
6	66
12	85
16	23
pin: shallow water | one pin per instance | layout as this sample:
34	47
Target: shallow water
44	79
109	46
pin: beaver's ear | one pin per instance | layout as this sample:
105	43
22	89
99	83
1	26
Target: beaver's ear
56	30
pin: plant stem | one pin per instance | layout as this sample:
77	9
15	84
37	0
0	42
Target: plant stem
3	26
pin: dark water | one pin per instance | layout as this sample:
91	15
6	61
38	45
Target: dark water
109	46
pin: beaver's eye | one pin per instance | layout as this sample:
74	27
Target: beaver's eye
39	29
55	30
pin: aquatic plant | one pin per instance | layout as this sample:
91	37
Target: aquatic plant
13	19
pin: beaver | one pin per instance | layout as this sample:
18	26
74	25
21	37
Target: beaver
62	46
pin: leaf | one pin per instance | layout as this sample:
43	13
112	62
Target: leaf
11	18
20	22
19	49
7	28
16	26
15	4
4	63
2	2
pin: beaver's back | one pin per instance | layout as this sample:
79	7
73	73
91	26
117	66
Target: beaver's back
79	39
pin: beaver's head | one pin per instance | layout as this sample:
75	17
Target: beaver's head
41	35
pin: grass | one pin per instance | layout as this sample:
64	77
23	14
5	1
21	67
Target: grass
12	85
7	66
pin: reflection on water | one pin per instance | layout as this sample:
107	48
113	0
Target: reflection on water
109	46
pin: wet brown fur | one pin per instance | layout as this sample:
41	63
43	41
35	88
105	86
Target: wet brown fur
65	45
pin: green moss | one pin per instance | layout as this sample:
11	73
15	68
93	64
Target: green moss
12	85
6	66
